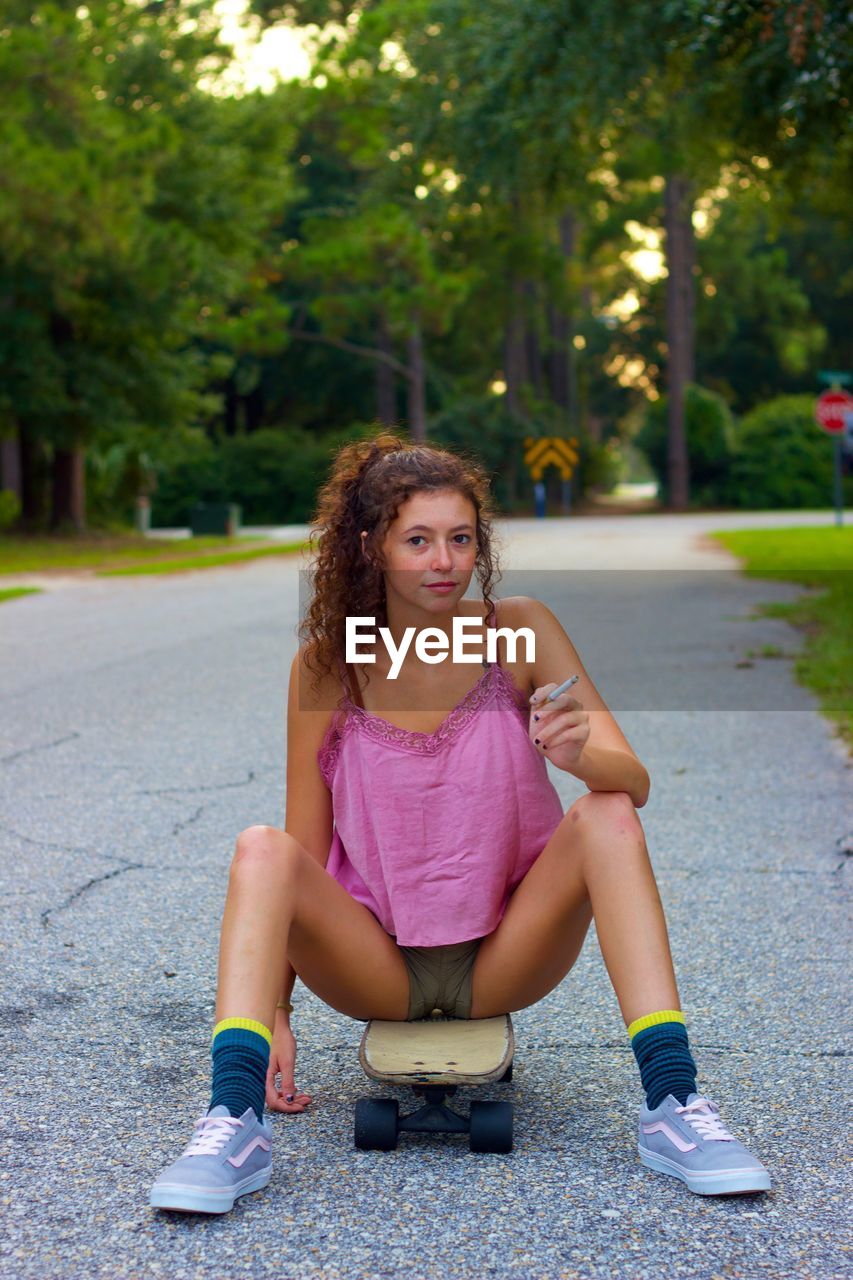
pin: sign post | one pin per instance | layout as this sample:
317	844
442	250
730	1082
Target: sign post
538	454
831	412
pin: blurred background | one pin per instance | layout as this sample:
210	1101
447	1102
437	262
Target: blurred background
234	235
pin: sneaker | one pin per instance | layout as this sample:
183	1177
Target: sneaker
225	1158
690	1142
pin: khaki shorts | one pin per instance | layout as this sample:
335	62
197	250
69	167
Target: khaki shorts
441	978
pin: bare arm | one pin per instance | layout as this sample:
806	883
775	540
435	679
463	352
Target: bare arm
308	801
607	762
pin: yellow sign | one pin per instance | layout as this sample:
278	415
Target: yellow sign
538	454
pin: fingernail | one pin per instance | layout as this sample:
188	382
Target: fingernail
535	717
289	1097
536	740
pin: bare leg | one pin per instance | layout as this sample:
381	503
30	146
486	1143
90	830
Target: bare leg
626	905
596	864
282	905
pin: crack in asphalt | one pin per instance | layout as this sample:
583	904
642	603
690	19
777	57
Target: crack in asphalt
77	893
221	786
44	746
47	844
179	826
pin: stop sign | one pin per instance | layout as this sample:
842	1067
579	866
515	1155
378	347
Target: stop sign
830	410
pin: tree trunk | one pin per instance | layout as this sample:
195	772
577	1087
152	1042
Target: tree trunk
516	377
515	371
10	465
417	384
533	348
33	475
69	489
562	356
680	255
386	399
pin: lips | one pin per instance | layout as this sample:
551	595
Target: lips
440	584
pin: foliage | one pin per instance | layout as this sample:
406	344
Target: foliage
273	474
783	459
10	509
202	284
710	442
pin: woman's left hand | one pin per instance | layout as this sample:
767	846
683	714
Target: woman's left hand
561	727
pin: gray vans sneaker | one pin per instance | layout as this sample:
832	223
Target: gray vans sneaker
225	1158
691	1142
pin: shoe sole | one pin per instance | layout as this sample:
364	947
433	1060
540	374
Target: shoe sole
186	1199
715	1182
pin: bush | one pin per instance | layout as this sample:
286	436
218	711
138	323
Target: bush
10	509
483	427
783	458
710	444
273	474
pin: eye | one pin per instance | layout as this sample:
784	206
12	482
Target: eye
415	536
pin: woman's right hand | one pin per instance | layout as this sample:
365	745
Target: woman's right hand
283	1063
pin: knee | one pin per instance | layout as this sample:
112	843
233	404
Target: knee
610	813
264	850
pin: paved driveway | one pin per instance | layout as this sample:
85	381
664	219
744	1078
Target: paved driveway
142	727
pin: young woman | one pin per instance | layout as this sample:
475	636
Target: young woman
427	861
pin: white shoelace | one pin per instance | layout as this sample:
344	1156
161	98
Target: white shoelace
703	1115
212	1132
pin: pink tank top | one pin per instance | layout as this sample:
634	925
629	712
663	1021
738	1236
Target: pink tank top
434	831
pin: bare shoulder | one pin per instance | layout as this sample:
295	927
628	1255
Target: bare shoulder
314	692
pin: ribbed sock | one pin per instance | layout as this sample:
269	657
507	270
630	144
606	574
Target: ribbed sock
240	1050
659	1041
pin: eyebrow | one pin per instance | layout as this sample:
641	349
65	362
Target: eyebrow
426	529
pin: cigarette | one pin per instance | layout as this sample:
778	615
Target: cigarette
561	688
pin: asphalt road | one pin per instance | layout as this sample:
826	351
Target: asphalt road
142	727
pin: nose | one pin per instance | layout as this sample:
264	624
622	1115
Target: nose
442	558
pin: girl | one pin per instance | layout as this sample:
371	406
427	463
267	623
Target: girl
427	862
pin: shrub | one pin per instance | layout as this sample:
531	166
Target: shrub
783	458
10	509
273	474
483	427
710	444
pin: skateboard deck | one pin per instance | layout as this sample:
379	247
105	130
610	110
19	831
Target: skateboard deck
438	1050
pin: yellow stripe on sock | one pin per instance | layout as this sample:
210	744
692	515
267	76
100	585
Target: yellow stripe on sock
653	1019
245	1024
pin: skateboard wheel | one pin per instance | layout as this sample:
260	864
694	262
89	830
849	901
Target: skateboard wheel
491	1127
376	1121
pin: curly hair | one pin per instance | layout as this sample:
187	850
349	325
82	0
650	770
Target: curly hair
369	481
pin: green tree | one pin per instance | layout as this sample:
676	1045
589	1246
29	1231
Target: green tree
133	220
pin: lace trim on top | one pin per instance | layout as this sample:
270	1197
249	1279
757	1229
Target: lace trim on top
494	682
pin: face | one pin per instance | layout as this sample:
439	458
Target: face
432	540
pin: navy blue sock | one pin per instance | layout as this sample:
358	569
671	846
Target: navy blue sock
240	1051
660	1046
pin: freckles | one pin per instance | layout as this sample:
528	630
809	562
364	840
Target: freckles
574	815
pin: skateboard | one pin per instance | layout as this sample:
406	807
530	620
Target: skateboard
435	1055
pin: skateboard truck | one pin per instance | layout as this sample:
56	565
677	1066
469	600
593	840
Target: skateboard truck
434	1056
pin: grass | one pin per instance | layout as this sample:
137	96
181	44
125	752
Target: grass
131	553
12	593
821	559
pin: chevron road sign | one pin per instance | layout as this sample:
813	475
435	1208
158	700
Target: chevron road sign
538	454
